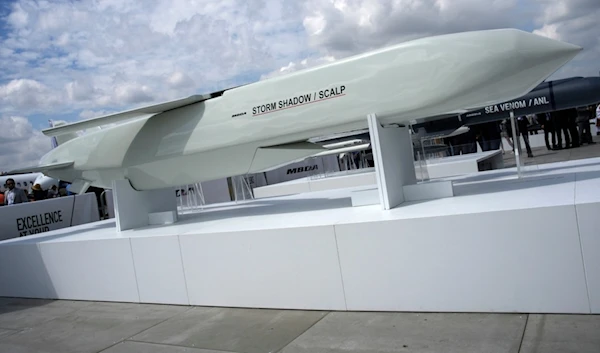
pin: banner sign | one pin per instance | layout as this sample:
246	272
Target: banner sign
308	167
538	101
46	215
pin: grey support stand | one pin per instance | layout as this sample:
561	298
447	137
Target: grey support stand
136	209
395	170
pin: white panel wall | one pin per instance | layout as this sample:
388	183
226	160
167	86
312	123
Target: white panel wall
216	191
296	187
525	260
588	216
159	270
85	209
23	273
342	182
297	268
511	261
91	269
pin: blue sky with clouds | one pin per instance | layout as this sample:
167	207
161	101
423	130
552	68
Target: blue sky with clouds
71	60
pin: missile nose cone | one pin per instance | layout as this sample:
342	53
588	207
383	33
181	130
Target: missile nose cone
530	59
545	47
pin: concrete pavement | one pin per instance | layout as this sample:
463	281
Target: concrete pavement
541	155
45	326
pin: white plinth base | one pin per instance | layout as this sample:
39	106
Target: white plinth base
464	164
365	197
157	218
416	192
428	191
337	180
506	245
435	168
136	209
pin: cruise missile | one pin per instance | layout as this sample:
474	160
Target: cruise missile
258	126
547	97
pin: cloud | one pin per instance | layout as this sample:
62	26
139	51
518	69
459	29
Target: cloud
29	95
297	66
120	54
22	145
346	27
573	21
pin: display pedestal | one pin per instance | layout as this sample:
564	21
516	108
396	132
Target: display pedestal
395	169
136	209
504	245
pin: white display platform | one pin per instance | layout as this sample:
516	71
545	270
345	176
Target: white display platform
464	164
436	168
498	245
338	180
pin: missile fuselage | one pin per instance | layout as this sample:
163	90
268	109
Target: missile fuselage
258	126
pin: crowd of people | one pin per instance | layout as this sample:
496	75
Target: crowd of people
15	195
571	126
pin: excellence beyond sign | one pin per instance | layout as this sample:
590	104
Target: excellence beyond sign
35	217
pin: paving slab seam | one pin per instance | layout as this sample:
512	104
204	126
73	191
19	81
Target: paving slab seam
137	285
585	275
185	282
11	333
146	329
523	334
337	248
302	333
178	346
14	328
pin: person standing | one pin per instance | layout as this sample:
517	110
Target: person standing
14	195
522	128
546	121
598	120
571	115
560	122
583	124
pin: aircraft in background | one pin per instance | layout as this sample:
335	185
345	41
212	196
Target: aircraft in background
27	180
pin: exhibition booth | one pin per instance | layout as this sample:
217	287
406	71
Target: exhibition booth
451	234
501	244
497	243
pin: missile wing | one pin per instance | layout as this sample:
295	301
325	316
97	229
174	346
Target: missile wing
255	127
126	115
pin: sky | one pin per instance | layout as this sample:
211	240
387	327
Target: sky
78	59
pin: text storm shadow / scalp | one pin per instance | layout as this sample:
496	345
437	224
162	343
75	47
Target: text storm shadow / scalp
299	100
